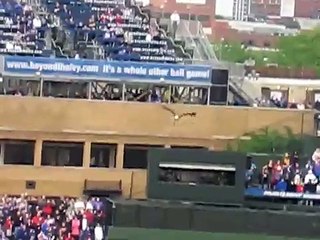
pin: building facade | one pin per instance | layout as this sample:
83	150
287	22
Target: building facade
202	10
241	9
265	7
62	143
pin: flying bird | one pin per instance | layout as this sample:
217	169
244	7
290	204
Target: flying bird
177	117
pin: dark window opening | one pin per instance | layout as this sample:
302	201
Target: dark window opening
266	44
251	43
103	155
187	147
62	154
65	89
204	18
17	152
136	156
197	174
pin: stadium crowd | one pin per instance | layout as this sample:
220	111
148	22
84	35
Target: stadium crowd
117	27
27	218
122	32
22	32
288	174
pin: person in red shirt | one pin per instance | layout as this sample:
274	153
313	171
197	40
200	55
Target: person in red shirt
75	228
104	17
277	172
89	216
47	209
68	237
8	227
37	220
118	20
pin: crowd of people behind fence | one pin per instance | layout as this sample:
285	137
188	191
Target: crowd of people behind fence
27	218
288	174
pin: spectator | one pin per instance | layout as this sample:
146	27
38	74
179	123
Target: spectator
36	23
286	160
310	181
267	175
316	155
26	217
277	172
75	225
175	20
98	232
281	186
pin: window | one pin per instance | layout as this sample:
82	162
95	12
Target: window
65	89
274	2
62	154
103	155
266	44
187	147
17	152
136	156
197	174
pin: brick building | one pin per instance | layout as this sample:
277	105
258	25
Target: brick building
265	7
202	10
307	8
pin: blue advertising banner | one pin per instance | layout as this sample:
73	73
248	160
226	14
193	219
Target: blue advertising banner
107	70
260	193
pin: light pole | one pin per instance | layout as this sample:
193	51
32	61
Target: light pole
189	15
162	11
39	74
220	48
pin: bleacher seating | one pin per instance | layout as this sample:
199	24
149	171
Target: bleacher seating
21	32
99	29
110	29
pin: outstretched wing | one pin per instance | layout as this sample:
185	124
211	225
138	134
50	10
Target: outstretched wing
190	114
168	109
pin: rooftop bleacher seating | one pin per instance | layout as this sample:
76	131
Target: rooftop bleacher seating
99	29
21	32
110	30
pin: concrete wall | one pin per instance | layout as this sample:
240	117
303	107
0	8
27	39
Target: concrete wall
142	119
43	119
68	181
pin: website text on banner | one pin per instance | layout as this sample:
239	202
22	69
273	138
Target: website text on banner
106	70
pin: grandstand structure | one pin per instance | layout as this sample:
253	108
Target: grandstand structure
108	31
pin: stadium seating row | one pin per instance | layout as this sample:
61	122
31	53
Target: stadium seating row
80	29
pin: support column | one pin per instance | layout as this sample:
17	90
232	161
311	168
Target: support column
112	157
120	156
37	153
2	151
86	154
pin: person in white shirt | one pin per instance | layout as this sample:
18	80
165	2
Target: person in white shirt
310	178
175	20
89	206
9	46
297	179
84	223
310	185
316	155
148	37
8	21
98	232
27	8
36	22
79	205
